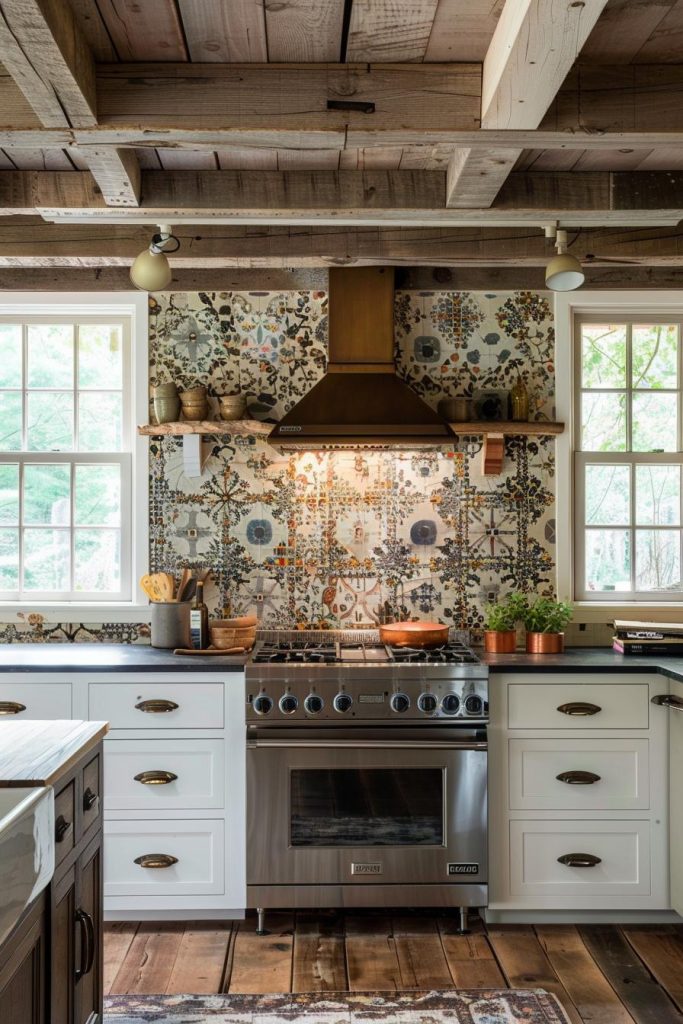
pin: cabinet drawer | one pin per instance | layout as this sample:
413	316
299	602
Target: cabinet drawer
621	767
196	846
622	846
537	705
92	790
39	701
157	705
139	775
65	822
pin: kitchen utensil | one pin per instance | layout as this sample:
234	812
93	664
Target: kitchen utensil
158	586
185	577
414	634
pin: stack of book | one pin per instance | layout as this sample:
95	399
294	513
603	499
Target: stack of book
648	637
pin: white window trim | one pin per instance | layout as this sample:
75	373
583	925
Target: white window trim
134	305
567	305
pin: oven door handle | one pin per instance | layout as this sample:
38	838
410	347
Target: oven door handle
370	744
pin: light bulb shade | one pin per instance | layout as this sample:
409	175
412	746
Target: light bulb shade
151	271
564	273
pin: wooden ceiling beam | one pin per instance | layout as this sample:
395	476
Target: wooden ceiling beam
27	243
370	198
533	47
49	59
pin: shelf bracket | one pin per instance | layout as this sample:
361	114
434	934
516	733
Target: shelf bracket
493	454
193	461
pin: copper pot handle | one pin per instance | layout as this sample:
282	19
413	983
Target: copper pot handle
156	860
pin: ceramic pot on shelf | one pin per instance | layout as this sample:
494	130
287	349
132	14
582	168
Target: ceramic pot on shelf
166	403
195	404
232	407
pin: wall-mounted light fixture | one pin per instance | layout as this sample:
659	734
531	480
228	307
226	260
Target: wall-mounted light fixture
564	272
151	270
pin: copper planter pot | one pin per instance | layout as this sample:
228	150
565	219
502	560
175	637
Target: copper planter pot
545	643
500	641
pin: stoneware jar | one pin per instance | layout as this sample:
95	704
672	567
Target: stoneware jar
166	403
232	407
195	404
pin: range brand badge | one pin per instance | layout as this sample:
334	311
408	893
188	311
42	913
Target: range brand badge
465	868
366	869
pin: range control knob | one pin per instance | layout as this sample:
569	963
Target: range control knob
427	702
262	704
288	703
400	702
313	704
342	702
450	704
474	705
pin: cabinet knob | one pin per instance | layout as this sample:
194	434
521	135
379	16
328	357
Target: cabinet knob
156	860
578	778
90	800
579	860
579	708
157	707
11	707
156	777
62	828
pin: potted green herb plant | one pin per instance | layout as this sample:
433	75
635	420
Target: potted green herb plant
545	621
500	620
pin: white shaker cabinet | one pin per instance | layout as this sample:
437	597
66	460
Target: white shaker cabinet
578	780
670	706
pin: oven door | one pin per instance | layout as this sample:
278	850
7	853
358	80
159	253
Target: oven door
390	806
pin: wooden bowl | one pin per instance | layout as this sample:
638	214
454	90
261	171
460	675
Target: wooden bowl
241	622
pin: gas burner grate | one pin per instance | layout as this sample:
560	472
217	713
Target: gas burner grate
452	653
296	651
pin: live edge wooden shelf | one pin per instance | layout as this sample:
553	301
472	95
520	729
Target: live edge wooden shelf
494	434
192	432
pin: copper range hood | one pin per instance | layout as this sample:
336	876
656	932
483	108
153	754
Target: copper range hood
360	402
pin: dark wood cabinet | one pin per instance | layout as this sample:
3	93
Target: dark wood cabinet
51	965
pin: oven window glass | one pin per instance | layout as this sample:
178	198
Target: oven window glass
367	807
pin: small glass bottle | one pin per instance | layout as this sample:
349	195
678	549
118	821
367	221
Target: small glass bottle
519	397
199	620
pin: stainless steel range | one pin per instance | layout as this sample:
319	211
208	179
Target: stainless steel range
366	775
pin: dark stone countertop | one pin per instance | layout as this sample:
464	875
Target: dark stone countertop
585	659
110	658
140	658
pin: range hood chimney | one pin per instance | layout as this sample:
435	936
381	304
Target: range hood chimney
360	402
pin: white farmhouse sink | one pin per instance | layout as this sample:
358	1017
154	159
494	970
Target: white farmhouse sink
27	850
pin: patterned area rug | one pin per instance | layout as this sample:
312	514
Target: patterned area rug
481	1007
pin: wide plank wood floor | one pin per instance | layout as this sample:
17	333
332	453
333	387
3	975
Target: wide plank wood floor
602	975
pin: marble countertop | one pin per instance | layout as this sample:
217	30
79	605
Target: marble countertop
37	753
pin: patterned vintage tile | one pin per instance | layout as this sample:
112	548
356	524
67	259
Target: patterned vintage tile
340	539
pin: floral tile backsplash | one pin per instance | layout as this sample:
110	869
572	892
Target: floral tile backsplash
342	539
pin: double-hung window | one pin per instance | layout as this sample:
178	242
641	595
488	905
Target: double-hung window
65	458
628	456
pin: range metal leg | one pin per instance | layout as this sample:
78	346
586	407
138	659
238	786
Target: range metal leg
464	930
261	922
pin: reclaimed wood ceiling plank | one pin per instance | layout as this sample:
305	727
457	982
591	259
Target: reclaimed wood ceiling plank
462	30
390	30
147	31
304	30
225	31
622	29
92	26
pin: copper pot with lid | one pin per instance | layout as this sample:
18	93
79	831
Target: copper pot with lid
414	634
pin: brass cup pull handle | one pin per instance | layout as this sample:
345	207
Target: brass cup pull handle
579	860
156	860
90	800
11	707
579	708
62	828
578	778
666	700
158	777
157	707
